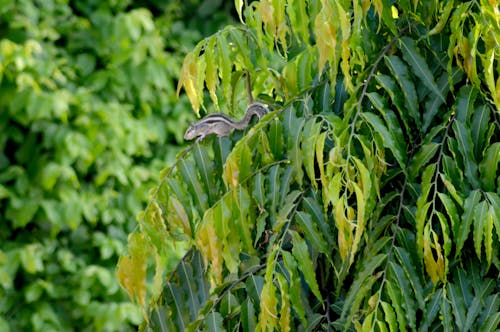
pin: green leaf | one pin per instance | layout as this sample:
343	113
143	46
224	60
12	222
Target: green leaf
286	181
390	316
434	101
489	166
248	320
190	177
423	207
273	190
293	128
451	189
452	212
301	254
419	66
258	193
490	316
457	304
465	147
362	284
225	68
389	140
494	210
422	157
297	12
400	71
479	127
31	258
213	322
286	209
432	309
446	314
275	134
295	285
480	213
395	93
310	134
239	7
488	234
476	306
390	119
461	231
411	273
211	78
309	227
314	209
408	302
465	103
394	293
205	170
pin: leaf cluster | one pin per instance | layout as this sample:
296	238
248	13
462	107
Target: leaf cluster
366	200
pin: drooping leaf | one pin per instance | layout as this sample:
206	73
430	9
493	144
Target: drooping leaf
465	147
419	66
398	276
268	307
431	310
301	254
310	134
476	306
489	166
422	157
390	316
389	140
312	232
363	282
402	75
457	304
480	221
295	285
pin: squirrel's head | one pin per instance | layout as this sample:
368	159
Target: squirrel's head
190	133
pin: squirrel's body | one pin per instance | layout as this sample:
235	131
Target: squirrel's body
221	124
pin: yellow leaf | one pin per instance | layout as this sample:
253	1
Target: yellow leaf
326	35
131	269
379	7
360	223
188	80
435	267
344	229
268	311
231	172
285	304
177	215
345	27
211	71
239	9
266	11
153	225
210	246
282	28
320	146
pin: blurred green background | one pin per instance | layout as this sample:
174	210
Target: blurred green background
88	118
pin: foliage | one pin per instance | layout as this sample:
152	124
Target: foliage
368	199
89	117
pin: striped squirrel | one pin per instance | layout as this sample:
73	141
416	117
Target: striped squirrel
223	125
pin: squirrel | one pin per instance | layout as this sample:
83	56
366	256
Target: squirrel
221	124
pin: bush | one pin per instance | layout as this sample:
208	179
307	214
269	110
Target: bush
89	117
